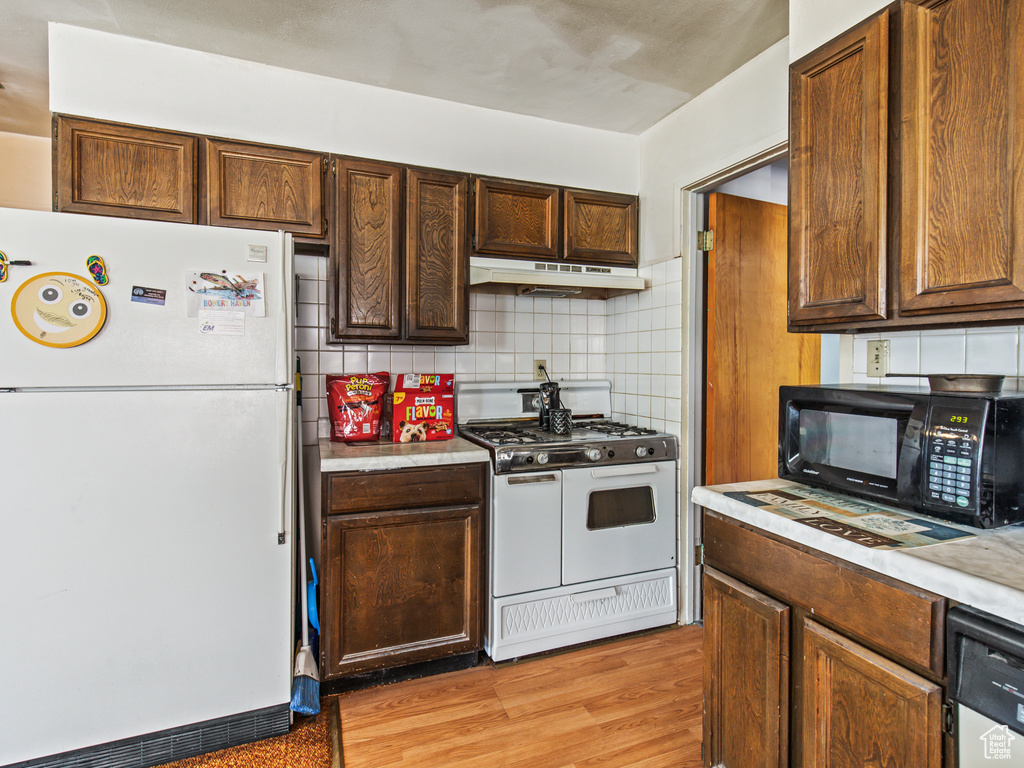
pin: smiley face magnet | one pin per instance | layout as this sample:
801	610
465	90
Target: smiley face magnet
58	309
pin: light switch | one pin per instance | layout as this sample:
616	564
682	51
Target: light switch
257	253
878	357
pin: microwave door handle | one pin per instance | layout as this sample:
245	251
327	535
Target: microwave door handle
908	472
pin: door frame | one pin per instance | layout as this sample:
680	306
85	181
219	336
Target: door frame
693	216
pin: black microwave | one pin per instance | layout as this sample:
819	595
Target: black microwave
957	457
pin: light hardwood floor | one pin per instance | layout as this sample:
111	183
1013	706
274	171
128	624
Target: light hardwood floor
634	702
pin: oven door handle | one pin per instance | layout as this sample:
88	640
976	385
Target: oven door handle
524	479
628	469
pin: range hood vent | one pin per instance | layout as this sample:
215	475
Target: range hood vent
552	279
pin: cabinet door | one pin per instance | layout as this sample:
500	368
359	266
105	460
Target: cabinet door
120	170
838	176
365	280
962	155
261	187
515	219
436	258
400	587
859	708
601	228
746	676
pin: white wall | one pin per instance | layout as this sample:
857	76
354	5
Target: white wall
25	172
814	22
96	74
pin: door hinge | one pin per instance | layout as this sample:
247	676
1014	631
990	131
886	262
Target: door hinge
334	168
334	326
948	721
702	753
698	555
327	165
323	526
705	239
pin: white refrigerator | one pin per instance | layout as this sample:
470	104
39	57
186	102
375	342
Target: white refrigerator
146	488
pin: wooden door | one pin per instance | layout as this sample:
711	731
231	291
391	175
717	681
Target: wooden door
262	187
400	587
749	352
601	228
861	709
838	169
962	155
366	267
516	220
436	257
746	676
121	170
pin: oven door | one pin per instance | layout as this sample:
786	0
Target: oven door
618	520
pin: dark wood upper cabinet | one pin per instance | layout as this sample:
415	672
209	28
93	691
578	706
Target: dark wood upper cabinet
436	257
940	243
601	228
119	170
838	176
366	257
514	219
263	187
746	676
962	245
860	708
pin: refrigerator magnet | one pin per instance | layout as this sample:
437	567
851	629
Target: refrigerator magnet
3	267
97	269
58	309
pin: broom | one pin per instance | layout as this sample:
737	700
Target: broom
306	679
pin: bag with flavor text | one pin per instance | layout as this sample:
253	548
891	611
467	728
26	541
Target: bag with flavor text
423	406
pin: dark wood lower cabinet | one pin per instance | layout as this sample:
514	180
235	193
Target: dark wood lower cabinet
401	585
860	708
746	675
786	683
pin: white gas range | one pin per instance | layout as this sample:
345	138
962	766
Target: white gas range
582	527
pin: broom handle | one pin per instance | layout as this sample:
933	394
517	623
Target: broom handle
302	522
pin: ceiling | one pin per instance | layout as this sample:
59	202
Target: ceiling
619	65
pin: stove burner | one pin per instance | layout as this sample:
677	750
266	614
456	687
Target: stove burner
617	429
507	437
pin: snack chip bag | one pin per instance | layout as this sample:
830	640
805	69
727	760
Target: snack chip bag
356	404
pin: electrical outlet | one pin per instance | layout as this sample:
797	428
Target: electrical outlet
539	366
878	357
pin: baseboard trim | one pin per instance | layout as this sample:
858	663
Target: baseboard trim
173	744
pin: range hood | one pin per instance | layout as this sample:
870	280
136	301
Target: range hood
552	279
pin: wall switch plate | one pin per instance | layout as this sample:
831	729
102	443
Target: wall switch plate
539	366
256	253
878	357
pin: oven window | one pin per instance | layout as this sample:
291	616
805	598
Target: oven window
617	507
865	444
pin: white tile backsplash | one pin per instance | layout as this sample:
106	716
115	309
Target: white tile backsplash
953	350
635	340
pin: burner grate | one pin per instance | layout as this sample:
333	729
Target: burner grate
621	430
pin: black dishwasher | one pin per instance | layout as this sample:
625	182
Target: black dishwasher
985	661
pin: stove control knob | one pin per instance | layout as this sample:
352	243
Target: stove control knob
542	458
641	451
594	454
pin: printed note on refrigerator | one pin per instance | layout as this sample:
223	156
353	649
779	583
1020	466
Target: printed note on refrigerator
220	322
218	290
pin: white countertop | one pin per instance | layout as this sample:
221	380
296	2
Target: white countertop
986	571
372	456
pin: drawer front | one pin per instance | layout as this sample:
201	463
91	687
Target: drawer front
902	621
404	488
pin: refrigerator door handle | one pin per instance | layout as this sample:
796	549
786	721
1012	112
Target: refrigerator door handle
285	442
285	362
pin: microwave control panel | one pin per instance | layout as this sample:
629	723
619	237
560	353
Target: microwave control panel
953	446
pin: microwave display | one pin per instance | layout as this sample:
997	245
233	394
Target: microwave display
867	444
